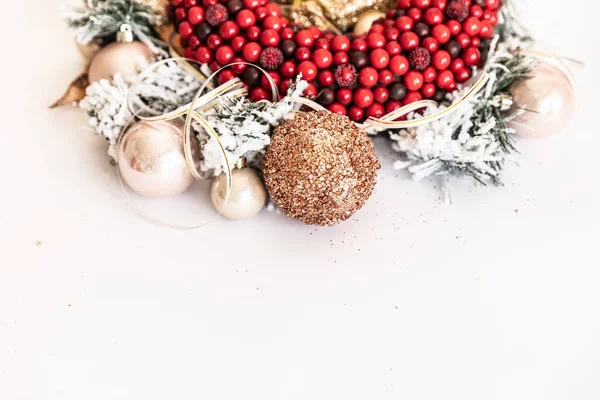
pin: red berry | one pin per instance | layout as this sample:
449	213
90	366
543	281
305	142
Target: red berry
412	97
340	43
217	14
475	41
213	41
269	38
441	60
392	105
441	33
302	54
316	32
359	44
392	34
176	3
272	22
454	26
344	95
404	24
471	55
385	77
463	39
399	65
264	81
368	77
462	75
194	42
259	94
356	113
345	75
340	58
434	16
415	14
190	3
224	55
245	19
441	4
204	55
208	3
321	43
377	28
429	74
444	79
413	80
286	33
379	58
363	97
337	108
273	9
457	64
240	67
381	94
305	38
253	33
430	44
238	43
188	53
251	51
375	110
421	4
308	70
225	76
185	29
288	69
251	4
261	13
404	4
322	58
326	78
375	40
409	41
476	11
487	30
196	15
472	26
180	14
492	4
393	48
428	90
228	29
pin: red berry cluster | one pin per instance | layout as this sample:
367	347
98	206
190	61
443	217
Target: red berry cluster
420	50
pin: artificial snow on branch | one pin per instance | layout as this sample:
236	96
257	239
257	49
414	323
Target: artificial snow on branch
101	19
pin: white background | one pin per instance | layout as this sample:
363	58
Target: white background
495	297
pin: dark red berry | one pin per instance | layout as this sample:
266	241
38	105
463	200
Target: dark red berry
271	58
457	9
419	58
345	75
217	14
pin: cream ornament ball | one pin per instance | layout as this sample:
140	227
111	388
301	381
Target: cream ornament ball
151	159
247	194
119	57
544	103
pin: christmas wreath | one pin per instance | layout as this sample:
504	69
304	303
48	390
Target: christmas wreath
189	89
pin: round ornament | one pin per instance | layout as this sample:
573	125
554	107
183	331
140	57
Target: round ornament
320	168
151	159
247	195
366	20
118	57
546	101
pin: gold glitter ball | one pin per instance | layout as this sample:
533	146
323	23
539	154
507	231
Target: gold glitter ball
320	168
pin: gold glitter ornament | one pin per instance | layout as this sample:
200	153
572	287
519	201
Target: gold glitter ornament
320	168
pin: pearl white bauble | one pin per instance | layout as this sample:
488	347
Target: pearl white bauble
247	196
151	159
119	58
548	99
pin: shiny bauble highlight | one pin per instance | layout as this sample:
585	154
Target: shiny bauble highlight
117	57
545	102
247	195
151	159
